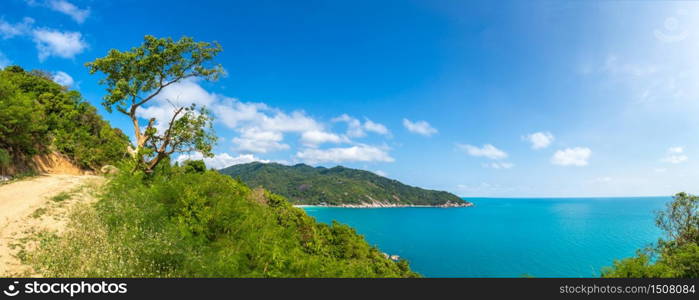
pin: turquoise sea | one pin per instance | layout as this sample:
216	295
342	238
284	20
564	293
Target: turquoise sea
512	237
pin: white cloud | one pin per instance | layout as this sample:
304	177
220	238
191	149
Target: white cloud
63	79
675	150
487	150
51	42
356	129
539	140
259	128
499	165
256	140
577	156
4	61
314	138
375	127
220	161
648	81
63	6
419	127
675	155
363	153
8	30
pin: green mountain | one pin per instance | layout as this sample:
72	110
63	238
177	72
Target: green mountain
338	186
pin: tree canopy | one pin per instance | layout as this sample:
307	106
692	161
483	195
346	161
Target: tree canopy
135	77
38	116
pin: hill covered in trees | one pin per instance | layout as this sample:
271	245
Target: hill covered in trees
39	116
338	186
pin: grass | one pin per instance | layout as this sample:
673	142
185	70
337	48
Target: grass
61	197
38	213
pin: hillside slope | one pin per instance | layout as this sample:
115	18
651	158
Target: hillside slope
338	186
41	120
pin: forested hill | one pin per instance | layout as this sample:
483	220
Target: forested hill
39	116
338	186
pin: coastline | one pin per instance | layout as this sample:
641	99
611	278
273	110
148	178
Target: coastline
388	205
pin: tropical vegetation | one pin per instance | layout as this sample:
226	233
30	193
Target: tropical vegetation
677	254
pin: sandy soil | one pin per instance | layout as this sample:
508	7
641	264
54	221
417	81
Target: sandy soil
27	206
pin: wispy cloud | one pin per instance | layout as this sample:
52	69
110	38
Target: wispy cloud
488	151
63	79
577	156
355	127
675	155
63	6
419	127
9	30
70	9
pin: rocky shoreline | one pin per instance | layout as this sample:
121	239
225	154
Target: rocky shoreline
390	205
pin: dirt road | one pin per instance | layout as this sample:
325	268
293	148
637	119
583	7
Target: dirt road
26	206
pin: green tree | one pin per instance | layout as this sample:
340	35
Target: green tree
135	77
194	166
675	256
22	128
680	219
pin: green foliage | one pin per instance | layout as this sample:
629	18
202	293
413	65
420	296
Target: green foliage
304	184
194	166
136	76
38	115
150	67
678	256
194	224
62	196
5	158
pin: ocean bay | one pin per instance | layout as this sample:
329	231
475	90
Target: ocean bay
508	237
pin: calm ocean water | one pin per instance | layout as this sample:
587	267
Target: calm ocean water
552	237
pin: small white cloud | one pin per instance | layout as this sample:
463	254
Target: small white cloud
356	129
675	155
65	7
313	138
539	140
220	161
51	42
660	170
577	156
63	79
363	153
487	150
419	127
375	127
499	165
675	150
4	61
8	30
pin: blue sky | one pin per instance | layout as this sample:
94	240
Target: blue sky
507	98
